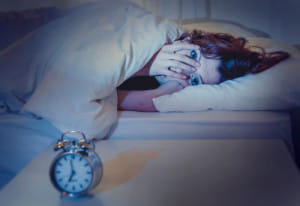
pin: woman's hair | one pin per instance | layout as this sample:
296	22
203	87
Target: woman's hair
236	59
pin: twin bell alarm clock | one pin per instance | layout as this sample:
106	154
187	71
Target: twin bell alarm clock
77	169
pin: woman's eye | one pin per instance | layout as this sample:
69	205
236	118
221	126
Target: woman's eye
193	54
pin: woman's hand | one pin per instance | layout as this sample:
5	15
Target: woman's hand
162	79
170	63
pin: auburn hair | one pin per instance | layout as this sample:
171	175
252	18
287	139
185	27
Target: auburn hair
236	59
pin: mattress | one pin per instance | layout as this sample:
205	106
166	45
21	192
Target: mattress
204	125
24	138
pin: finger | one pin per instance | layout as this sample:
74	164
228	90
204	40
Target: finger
180	67
181	57
183	82
174	74
164	79
186	60
179	45
174	69
184	52
182	46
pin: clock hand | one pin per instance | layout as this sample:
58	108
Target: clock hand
72	168
70	178
72	171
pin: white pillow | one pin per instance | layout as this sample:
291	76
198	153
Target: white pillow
82	57
222	27
274	89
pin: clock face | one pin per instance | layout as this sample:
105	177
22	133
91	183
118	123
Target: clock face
73	173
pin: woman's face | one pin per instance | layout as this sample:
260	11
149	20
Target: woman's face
208	69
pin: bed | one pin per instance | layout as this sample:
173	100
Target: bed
24	137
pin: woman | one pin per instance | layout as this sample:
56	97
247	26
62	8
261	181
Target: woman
213	57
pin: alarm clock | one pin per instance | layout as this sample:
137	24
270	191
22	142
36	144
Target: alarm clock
77	169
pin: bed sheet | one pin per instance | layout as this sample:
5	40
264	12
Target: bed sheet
23	138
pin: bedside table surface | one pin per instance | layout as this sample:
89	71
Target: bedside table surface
179	172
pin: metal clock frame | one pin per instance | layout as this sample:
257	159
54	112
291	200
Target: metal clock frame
93	160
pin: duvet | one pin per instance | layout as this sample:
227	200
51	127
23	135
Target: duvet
67	71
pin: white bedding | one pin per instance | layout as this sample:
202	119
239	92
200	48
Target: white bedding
22	140
68	70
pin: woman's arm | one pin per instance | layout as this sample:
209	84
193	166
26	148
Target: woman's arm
136	100
142	100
